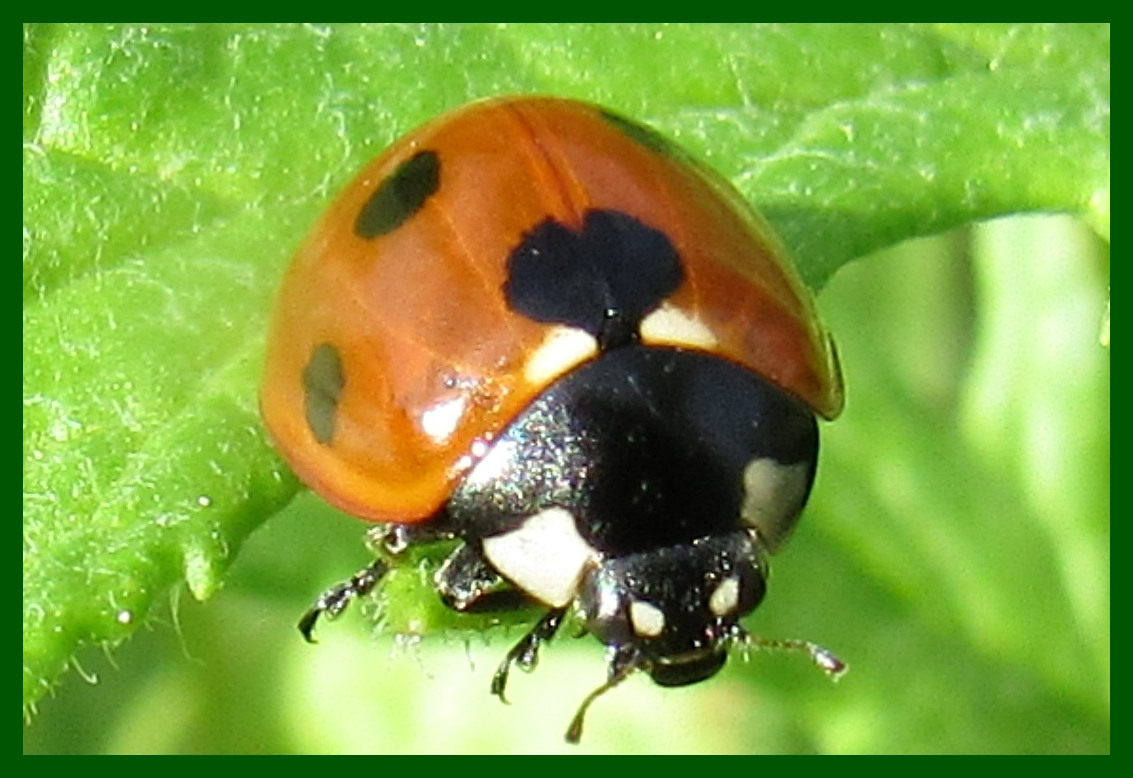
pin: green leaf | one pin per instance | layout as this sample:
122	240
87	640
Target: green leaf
170	170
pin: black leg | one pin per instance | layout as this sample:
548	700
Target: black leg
525	653
624	662
466	582
394	539
334	600
384	541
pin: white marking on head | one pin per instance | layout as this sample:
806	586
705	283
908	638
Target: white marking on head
773	497
725	597
545	556
439	422
671	326
647	620
562	349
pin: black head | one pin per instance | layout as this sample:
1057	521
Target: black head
674	612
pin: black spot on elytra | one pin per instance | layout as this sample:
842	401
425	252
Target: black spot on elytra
604	279
323	381
399	196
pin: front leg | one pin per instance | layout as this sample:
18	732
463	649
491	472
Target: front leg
335	599
525	653
384	541
466	582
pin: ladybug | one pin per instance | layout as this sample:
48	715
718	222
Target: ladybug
537	328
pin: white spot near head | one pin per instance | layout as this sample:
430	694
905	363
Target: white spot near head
439	422
725	597
647	620
673	327
562	349
773	496
545	556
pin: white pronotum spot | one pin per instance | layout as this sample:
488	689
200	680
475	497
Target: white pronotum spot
647	620
562	349
545	556
673	327
773	496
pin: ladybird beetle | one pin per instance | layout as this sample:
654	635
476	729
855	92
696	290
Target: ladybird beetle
539	329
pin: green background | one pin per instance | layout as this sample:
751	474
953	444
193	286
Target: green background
956	549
